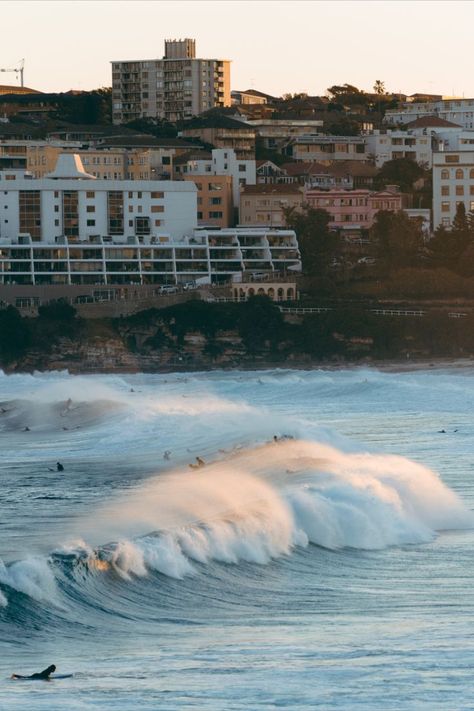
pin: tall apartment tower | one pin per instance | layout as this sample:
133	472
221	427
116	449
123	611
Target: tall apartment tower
174	88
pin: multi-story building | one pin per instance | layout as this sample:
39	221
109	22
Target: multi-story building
353	210
223	132
71	228
265	204
453	183
215	206
457	110
105	163
222	161
326	149
383	146
275	133
174	88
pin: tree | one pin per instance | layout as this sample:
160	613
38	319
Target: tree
448	246
398	240
379	87
15	336
402	172
318	244
260	320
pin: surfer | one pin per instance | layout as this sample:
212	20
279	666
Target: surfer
59	467
45	674
199	463
26	429
167	454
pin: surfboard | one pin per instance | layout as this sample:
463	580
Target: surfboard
50	678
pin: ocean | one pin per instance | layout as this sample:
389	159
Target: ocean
322	557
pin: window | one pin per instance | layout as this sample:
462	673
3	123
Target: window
56	193
215	215
445	207
130	208
166	160
471	190
459	174
157	208
445	190
90	223
471	206
90	194
198	185
139	195
459	189
242	181
70	213
130	223
142	226
445	174
115	212
199	215
452	159
56	208
157	195
90	208
445	221
157	223
215	201
56	223
242	168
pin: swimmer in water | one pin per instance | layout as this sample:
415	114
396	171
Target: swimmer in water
59	467
167	454
45	674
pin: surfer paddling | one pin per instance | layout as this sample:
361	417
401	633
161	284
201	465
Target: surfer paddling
45	674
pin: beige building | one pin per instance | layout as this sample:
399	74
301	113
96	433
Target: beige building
223	132
111	163
264	204
174	88
214	200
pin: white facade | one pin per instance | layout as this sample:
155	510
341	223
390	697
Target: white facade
455	139
144	207
225	162
71	228
460	111
453	182
390	145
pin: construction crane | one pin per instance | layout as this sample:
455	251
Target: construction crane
17	70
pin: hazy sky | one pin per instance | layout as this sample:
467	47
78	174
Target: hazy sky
275	46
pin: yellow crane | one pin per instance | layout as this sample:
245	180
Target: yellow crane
18	70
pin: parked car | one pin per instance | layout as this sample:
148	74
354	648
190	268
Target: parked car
168	289
189	285
366	260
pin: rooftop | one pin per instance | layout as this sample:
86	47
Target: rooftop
431	122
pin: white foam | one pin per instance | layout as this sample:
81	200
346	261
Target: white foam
33	577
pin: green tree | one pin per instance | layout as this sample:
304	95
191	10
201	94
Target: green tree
260	320
448	246
379	87
15	335
398	241
402	172
318	244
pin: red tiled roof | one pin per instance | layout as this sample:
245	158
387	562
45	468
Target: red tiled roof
431	121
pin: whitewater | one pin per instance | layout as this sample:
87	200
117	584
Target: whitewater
321	558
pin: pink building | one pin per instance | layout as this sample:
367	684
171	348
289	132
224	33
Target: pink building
353	209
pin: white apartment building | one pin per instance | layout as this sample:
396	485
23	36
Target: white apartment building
224	161
174	88
390	145
70	228
460	111
453	182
